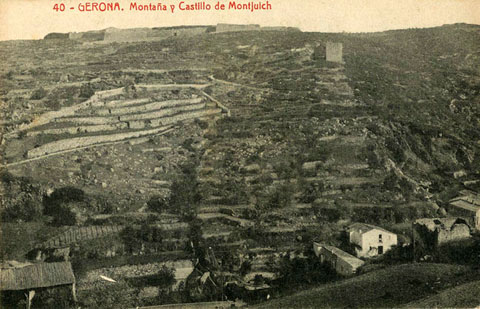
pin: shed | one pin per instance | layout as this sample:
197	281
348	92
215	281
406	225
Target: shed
37	276
344	263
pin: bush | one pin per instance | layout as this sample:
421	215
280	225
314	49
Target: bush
134	237
60	203
465	252
64	216
22	200
305	271
281	197
86	91
157	203
26	210
331	214
311	192
38	94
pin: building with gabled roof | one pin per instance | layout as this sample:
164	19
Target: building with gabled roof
370	240
29	277
467	206
344	263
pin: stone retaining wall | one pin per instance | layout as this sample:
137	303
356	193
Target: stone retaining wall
82	129
85	141
184	116
162	112
146	107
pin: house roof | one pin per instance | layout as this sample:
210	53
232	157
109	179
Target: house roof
364	227
464	203
350	259
39	275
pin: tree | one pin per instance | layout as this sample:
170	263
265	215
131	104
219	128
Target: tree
165	277
60	205
185	196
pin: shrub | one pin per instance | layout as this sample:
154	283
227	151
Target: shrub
86	91
185	195
281	197
311	192
332	214
22	200
38	94
26	210
158	204
60	203
305	270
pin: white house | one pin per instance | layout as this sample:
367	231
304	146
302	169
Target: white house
370	240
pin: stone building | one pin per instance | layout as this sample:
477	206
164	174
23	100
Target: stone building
370	240
467	206
344	264
334	52
429	234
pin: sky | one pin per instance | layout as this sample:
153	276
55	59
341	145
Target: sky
33	19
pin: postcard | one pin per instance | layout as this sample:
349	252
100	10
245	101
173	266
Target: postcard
236	153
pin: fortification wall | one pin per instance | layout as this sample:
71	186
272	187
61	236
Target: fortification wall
233	27
126	35
147	34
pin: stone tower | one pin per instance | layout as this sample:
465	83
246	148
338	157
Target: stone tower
334	52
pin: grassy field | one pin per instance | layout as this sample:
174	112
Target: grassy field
463	296
16	239
386	288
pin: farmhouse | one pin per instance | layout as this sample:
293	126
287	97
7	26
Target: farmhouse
370	240
28	278
344	264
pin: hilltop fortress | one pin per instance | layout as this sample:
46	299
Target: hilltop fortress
159	33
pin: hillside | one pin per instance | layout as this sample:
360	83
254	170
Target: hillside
386	288
463	296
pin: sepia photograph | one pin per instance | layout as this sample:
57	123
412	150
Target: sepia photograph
239	154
